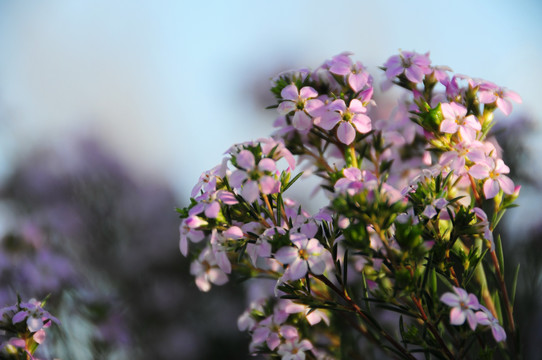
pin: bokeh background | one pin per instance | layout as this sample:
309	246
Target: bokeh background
110	110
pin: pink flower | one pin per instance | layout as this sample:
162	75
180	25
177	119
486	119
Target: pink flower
456	159
440	74
294	349
206	271
485	317
350	120
489	93
493	171
313	316
209	203
36	317
188	231
252	178
484	222
279	151
247	322
438	204
413	65
219	246
207	180
355	74
353	180
455	119
303	103
304	256
463	307
270	331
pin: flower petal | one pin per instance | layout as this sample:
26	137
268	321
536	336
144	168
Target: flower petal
250	191
286	107
491	188
290	92
346	133
457	317
307	92
297	269
362	123
245	159
358	81
212	210
287	254
450	299
301	121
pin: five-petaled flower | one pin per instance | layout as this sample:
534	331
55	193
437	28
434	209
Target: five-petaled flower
307	254
463	306
413	65
303	103
493	171
350	119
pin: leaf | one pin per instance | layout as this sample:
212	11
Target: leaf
345	270
472	269
404	311
445	281
292	181
499	253
427	271
514	286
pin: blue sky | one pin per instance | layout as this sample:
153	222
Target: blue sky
170	85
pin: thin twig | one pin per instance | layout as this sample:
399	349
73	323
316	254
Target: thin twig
355	307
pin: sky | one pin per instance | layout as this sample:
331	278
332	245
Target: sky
168	86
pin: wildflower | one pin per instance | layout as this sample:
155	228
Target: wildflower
413	65
457	158
484	222
36	317
350	120
303	103
353	180
493	170
270	331
313	316
485	317
188	231
207	180
455	120
431	210
294	349
219	246
439	72
489	93
355	73
206	271
463	307
304	256
254	178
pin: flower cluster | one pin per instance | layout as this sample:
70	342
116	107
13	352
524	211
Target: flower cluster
23	326
413	204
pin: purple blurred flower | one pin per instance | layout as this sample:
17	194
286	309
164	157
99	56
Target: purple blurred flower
36	317
206	271
463	307
485	317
